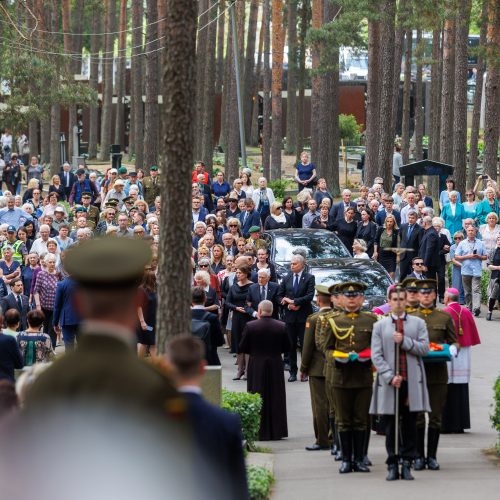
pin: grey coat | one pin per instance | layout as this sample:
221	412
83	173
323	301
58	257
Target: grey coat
415	344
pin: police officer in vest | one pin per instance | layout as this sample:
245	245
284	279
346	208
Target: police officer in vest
19	248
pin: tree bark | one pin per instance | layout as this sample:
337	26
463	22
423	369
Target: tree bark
291	102
207	130
492	92
478	96
419	111
249	73
33	124
120	76
405	123
219	69
372	103
460	94
402	19
254	130
447	89
435	108
386	94
266	128
151	111
317	21
276	88
304	25
136	105
68	47
55	110
175	274
95	47
107	105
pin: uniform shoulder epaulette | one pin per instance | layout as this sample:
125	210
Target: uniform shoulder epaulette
440	312
373	315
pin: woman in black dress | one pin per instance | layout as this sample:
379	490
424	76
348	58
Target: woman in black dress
236	301
290	212
387	237
367	230
346	228
56	187
147	316
494	285
277	219
324	220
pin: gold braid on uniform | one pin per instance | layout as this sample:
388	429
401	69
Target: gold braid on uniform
337	331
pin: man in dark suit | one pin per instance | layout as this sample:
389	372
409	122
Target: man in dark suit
337	211
66	319
417	265
198	211
198	312
429	248
296	293
249	217
262	290
411	235
68	178
216	432
388	209
10	356
16	300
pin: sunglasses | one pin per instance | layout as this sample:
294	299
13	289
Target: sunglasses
458	238
203	265
233	225
418	263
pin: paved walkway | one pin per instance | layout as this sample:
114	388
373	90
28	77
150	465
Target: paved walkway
465	471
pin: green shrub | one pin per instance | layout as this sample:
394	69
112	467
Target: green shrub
260	481
485	279
279	186
248	407
495	418
350	130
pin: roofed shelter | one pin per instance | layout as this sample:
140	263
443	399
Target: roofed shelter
426	167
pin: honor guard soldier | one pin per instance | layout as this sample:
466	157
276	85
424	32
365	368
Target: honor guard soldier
412	294
313	365
441	331
347	342
151	186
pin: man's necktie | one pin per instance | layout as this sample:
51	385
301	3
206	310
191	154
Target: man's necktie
296	284
245	217
262	293
410	229
19	303
67	179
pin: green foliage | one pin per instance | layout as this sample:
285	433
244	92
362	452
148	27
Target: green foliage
279	186
485	279
495	417
350	130
260	481
248	407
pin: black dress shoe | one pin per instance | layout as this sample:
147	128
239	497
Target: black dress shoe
419	463
367	461
477	312
338	456
286	367
345	467
316	447
488	316
292	378
393	474
405	471
360	467
432	464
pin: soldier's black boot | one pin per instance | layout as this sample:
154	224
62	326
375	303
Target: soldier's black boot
432	445
393	474
420	460
366	444
334	448
359	446
405	471
346	446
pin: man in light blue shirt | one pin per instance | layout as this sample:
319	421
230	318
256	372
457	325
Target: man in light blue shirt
12	215
470	253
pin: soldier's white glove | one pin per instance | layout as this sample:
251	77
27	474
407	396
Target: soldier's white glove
453	350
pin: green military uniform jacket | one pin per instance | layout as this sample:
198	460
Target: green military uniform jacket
313	358
150	189
90	224
349	332
258	244
411	309
441	331
93	214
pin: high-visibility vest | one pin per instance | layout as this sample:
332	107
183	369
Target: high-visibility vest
17	256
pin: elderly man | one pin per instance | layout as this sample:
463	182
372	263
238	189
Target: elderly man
429	248
264	289
59	218
411	205
92	211
82	185
12	215
308	217
68	178
109	220
470	252
123	230
295	294
337	211
117	192
40	244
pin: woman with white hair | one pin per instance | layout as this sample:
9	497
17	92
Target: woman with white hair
488	205
202	278
453	213
490	231
277	218
359	249
263	198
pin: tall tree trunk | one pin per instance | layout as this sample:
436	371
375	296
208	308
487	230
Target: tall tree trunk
77	22
266	127
372	102
460	94
136	105
276	87
120	76
151	111
95	47
387	94
219	69
68	47
226	87
249	73
291	102
492	92
304	25
175	275
254	130
107	104
478	96
33	124
405	124
447	88
419	111
207	130
402	16
55	110
317	21
435	108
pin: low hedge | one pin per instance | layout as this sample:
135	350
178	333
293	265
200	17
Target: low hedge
248	407
495	417
485	279
260	481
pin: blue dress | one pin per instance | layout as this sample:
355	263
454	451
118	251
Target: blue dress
304	173
453	222
469	211
220	190
484	208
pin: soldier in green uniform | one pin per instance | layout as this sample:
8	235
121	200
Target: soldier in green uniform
255	238
412	294
313	365
441	331
81	212
351	377
92	211
151	186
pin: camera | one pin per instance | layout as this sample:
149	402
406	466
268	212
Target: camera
474	252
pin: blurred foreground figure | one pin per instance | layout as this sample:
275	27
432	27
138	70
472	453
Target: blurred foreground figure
115	426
